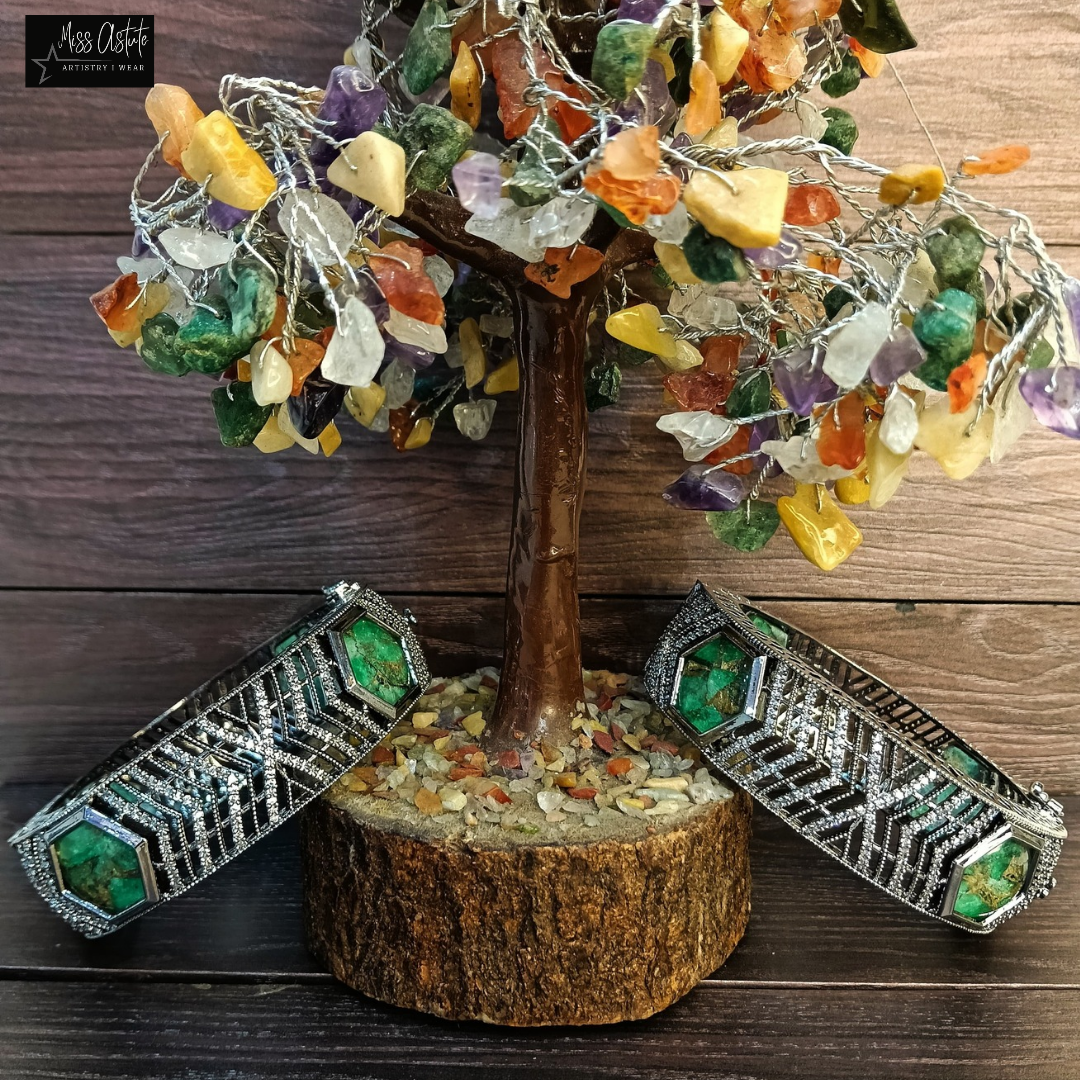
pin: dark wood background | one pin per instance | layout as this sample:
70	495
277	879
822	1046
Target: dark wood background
137	556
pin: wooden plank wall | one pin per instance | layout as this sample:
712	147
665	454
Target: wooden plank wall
137	556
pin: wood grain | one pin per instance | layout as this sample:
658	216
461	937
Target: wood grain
79	672
59	1030
997	72
111	479
112	476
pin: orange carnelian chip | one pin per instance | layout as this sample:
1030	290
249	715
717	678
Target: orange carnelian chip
562	268
636	199
720	354
738	444
407	287
774	58
573	123
966	381
810	204
119	305
825	263
797	14
842	439
478	26
702	112
1002	159
873	63
633	154
620	765
304	359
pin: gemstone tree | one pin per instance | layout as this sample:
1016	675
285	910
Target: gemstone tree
653	186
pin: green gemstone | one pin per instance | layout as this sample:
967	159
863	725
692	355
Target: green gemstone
992	881
750	394
682	57
617	216
766	626
749	528
835	299
622	50
876	24
713	684
842	131
99	868
662	278
250	290
534	178
436	139
428	52
626	355
961	760
945	327
239	416
158	346
378	660
956	250
842	82
602	382
207	342
712	258
1040	354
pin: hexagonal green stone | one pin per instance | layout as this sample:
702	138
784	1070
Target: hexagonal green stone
991	882
713	686
378	660
99	868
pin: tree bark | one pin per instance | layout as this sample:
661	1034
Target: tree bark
525	933
541	676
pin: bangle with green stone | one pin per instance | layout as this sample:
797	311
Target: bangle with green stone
227	764
855	767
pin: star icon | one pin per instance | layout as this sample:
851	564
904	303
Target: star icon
41	63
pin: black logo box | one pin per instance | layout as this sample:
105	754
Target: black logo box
89	50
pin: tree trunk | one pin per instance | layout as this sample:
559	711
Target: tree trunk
541	675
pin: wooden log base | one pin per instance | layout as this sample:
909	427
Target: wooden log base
495	926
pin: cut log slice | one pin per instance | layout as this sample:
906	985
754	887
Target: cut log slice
499	926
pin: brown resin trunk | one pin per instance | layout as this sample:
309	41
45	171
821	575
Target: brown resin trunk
541	676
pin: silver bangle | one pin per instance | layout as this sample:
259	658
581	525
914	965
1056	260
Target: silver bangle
853	766
226	765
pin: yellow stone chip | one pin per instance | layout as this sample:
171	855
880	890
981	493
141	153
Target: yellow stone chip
818	526
329	439
915	183
723	42
642	326
744	206
364	403
237	173
372	168
674	262
505	377
472	352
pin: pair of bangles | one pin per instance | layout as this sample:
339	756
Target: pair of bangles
846	761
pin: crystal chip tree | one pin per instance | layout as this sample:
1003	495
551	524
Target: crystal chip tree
531	196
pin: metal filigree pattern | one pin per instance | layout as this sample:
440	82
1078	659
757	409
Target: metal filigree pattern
862	772
217	772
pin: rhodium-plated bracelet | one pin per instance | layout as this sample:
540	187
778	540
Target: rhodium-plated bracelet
853	766
227	764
